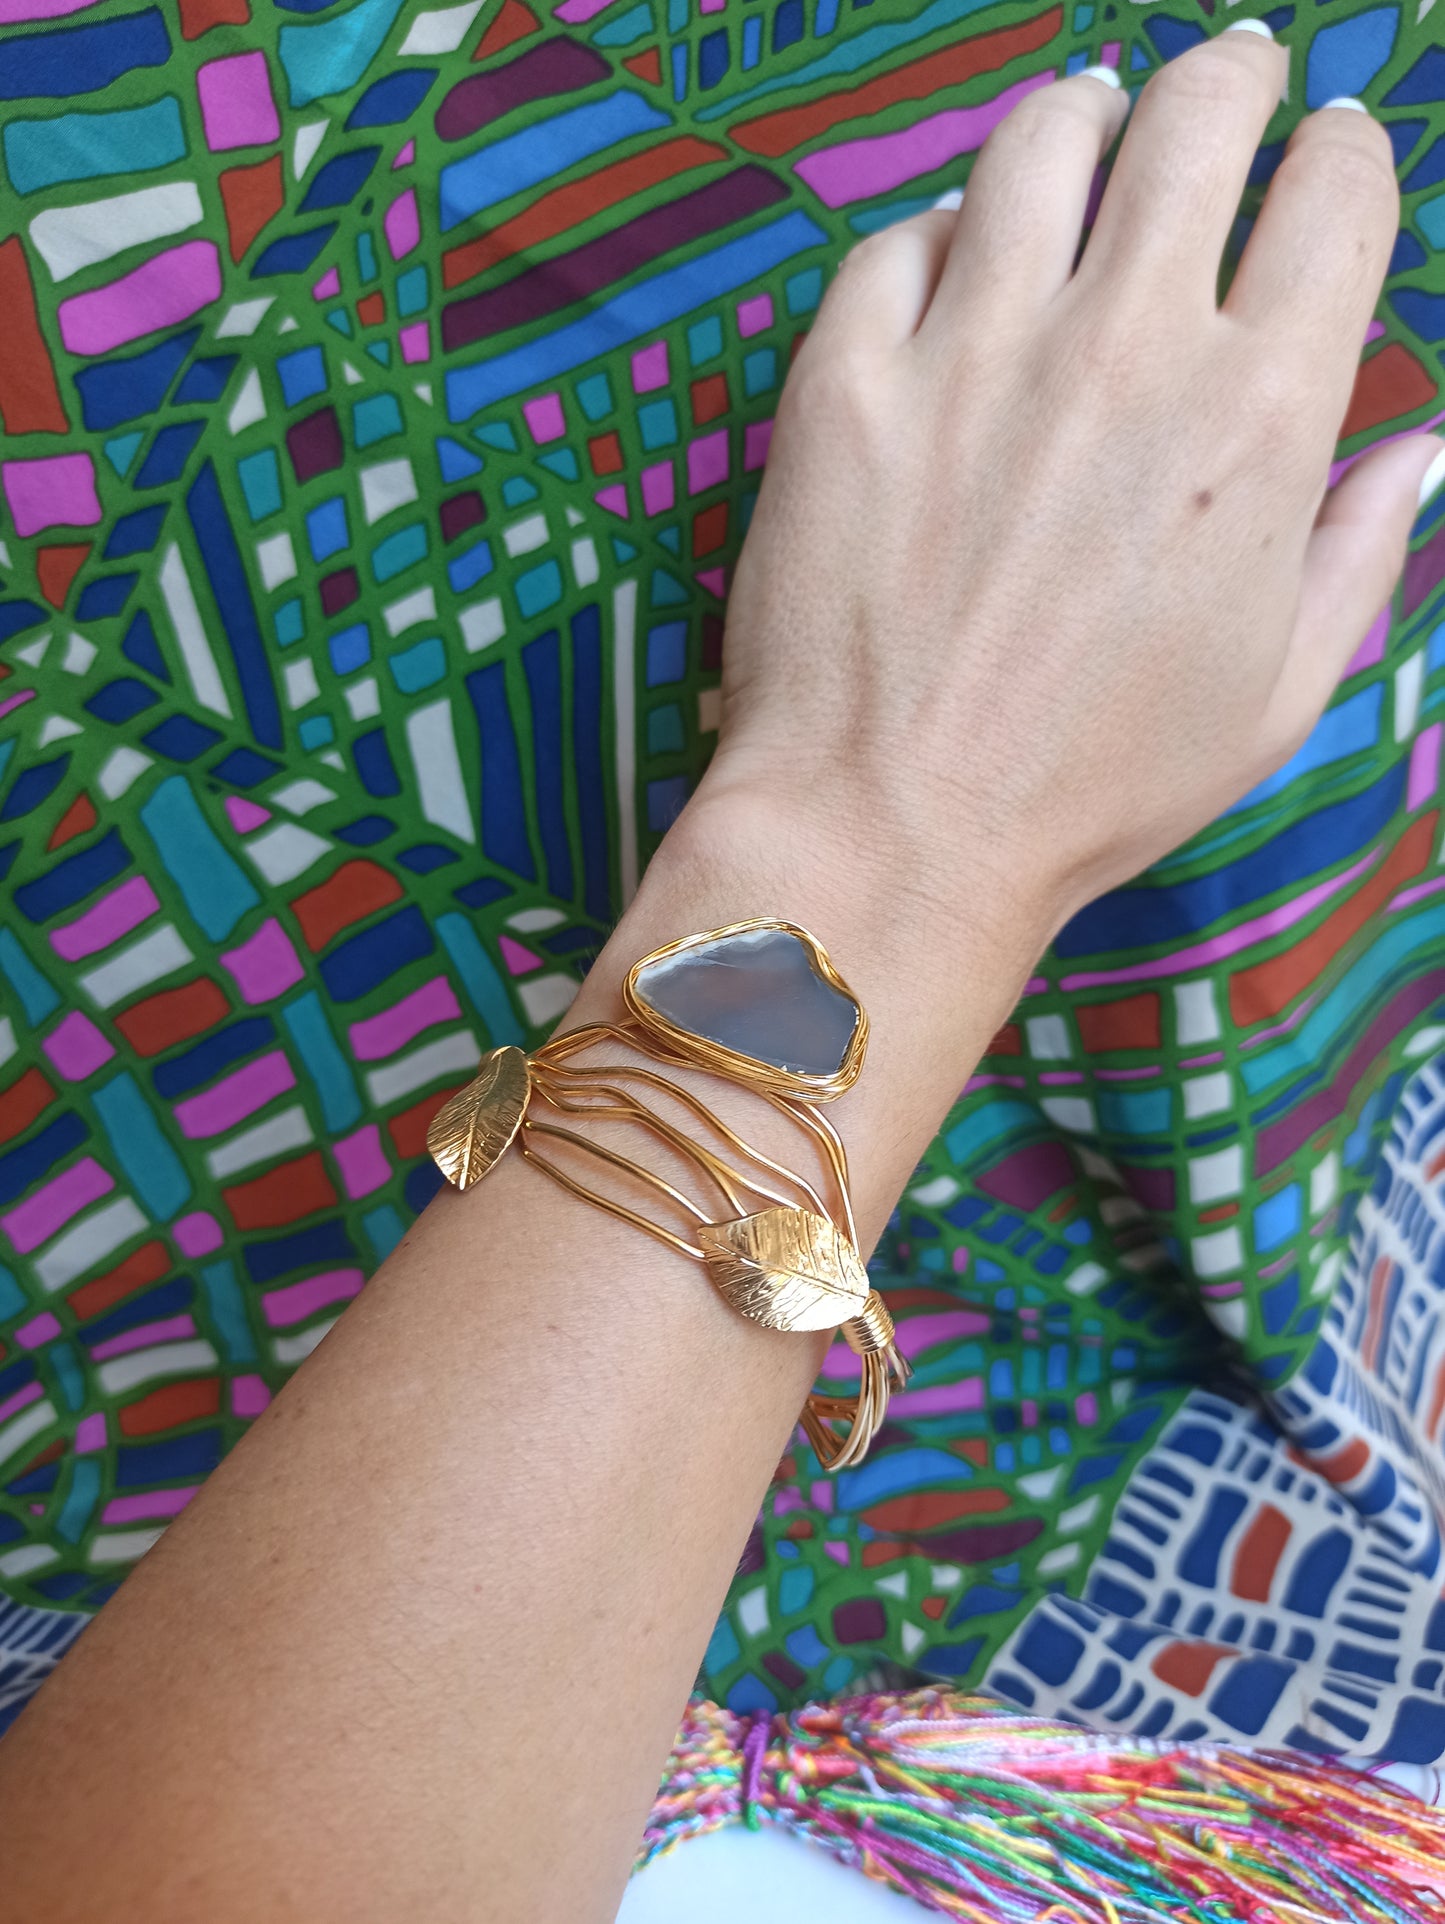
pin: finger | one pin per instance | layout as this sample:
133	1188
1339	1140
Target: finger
1176	184
1023	216
882	290
1317	257
1353	561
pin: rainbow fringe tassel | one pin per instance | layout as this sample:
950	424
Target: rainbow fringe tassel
984	1814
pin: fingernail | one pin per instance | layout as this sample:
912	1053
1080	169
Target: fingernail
950	202
1107	74
1251	26
1346	100
1434	479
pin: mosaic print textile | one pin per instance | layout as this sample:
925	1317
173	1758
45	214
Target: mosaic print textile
384	391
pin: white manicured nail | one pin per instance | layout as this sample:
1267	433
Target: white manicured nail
1251	26
950	202
1346	100
1434	479
1106	74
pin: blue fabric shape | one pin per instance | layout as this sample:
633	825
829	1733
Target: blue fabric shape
340	180
392	98
131	385
302	374
1345	56
82	58
206	380
168	453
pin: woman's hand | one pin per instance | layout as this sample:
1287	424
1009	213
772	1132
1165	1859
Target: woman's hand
1043	568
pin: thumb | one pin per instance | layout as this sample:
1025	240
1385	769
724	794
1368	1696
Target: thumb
1354	558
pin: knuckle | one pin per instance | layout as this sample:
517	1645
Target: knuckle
873	254
1274	399
831	386
1042	116
1355	165
1209	74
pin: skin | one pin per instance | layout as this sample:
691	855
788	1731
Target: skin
1074	598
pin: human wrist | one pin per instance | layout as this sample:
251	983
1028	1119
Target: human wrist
926	892
938	964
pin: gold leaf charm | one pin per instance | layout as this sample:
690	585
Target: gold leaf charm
475	1129
786	1269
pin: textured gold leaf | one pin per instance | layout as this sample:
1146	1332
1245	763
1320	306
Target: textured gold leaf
475	1129
786	1269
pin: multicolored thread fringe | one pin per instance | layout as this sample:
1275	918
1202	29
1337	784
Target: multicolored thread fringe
980	1813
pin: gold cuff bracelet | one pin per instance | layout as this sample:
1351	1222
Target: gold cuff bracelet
758	1004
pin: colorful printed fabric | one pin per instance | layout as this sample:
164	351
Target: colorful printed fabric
385	390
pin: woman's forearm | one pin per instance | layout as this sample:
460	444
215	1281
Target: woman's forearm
419	1647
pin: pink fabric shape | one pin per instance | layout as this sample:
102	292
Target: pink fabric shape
167	288
328	286
707	461
362	1161
22	1399
76	1047
518	958
658	488
545	417
57	490
236	1096
1371	651
382	1035
299	1300
649	368
37	1219
166	1329
714	580
1424	766
197	1234
114	915
756	440
405	157
40	1329
415	342
243	815
613	498
238	108
13	12
942	1399
859	169
402	224
266	965
755	315
249	1395
146	1504
90	1433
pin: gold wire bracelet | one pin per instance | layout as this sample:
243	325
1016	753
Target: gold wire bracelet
758	1004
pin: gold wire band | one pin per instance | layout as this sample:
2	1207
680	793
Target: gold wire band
786	1255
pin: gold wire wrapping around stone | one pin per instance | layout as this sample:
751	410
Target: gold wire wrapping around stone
785	1253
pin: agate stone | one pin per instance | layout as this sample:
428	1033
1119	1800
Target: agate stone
758	994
